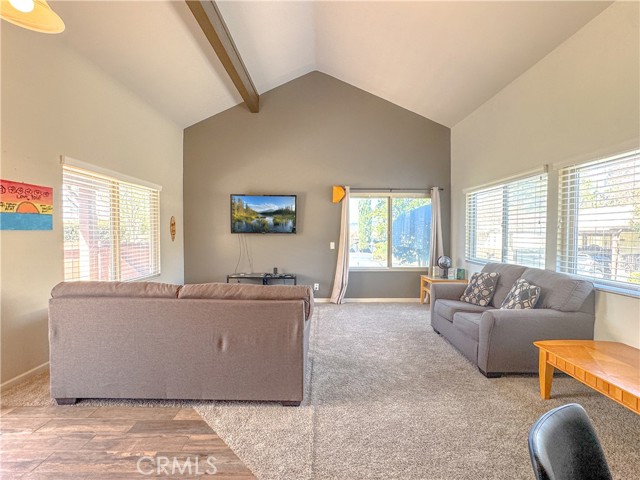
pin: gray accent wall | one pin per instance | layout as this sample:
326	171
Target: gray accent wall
310	134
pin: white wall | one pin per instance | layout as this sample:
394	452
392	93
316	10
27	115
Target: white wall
57	103
580	102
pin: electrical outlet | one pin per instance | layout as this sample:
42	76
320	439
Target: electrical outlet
316	286
332	245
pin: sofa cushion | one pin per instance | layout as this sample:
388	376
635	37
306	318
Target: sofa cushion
468	323
508	276
557	290
522	295
115	289
239	291
448	308
481	288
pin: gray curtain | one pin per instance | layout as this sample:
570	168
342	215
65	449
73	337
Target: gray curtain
436	248
342	266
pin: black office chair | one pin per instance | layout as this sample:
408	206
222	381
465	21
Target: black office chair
564	446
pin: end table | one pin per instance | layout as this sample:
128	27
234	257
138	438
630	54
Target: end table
425	285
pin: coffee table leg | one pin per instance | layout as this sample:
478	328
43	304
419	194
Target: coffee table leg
546	376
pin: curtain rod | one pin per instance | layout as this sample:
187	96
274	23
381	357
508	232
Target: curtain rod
391	190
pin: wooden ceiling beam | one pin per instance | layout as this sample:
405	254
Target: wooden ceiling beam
210	19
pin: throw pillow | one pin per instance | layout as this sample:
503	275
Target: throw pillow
481	288
522	295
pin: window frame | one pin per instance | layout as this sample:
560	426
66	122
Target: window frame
389	218
566	240
113	182
539	183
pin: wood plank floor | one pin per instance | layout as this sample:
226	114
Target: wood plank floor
112	443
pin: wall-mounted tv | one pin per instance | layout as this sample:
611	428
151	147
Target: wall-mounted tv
263	214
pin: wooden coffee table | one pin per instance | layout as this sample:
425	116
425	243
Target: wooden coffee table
610	368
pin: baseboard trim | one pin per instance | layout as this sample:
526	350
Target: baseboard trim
381	300
370	300
24	377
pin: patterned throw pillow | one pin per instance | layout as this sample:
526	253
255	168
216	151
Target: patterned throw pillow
522	295
480	289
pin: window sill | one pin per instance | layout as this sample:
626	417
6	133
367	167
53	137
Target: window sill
143	279
479	262
609	287
625	292
602	287
387	269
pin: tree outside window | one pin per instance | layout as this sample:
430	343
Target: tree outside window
388	231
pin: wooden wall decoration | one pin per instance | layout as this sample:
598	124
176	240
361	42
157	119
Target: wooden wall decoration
172	228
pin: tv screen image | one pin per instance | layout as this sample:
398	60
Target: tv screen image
263	214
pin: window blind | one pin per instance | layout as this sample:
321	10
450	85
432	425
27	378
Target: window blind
599	220
485	225
111	227
507	222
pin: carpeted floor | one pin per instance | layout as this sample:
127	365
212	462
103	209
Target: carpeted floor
389	398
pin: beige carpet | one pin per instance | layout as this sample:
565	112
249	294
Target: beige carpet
388	398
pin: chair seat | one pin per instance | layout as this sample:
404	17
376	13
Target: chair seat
468	323
448	308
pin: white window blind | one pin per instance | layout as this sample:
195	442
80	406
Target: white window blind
599	221
484	225
111	227
507	222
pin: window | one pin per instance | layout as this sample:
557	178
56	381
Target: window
599	216
389	230
507	222
111	227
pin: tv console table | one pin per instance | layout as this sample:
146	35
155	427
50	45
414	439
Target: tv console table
265	278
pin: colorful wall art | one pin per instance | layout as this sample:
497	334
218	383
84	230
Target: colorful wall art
25	207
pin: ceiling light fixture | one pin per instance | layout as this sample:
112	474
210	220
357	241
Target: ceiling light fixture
34	15
25	6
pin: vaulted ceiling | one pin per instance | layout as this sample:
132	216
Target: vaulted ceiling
441	60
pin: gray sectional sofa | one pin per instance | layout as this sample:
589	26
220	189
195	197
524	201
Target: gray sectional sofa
501	341
152	340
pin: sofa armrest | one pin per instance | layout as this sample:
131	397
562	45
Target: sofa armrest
507	336
446	291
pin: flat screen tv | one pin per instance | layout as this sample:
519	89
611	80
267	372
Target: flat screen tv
263	214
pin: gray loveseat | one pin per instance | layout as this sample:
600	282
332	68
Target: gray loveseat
501	341
154	340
